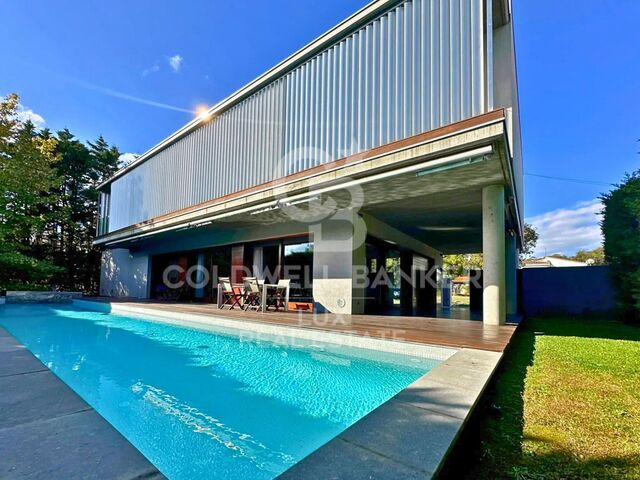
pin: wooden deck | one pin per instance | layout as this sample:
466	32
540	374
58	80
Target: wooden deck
427	330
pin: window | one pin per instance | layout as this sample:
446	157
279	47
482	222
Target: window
103	214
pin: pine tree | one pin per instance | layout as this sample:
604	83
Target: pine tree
104	164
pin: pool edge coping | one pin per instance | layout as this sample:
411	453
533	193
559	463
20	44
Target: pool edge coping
389	345
368	445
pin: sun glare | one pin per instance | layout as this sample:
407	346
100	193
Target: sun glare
202	112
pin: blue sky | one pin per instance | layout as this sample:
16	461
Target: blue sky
83	65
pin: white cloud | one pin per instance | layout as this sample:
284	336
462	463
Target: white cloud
125	159
26	114
152	69
567	230
175	62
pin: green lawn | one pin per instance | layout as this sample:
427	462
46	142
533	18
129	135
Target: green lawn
565	404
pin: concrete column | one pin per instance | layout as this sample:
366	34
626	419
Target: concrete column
494	260
512	274
426	287
339	257
359	271
200	276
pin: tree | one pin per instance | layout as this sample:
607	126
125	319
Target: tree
592	257
529	242
49	204
71	210
621	230
104	163
27	176
456	265
83	168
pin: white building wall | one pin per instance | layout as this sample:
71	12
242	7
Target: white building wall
124	273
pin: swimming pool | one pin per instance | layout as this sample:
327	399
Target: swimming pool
211	403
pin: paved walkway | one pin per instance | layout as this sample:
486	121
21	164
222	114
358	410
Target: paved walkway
47	431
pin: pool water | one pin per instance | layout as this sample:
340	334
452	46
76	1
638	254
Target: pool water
210	404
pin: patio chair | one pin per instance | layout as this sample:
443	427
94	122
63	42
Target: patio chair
279	298
252	294
230	296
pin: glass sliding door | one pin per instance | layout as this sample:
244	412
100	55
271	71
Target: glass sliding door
219	262
298	267
175	276
384	285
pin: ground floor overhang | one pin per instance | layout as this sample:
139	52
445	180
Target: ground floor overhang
399	207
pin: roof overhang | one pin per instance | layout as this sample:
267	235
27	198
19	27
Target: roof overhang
388	173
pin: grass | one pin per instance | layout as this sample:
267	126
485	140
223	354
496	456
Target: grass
460	299
565	404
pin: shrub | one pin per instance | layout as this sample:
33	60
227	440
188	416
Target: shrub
621	231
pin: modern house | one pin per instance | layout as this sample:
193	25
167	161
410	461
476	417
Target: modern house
389	141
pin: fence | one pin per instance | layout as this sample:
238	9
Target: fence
566	290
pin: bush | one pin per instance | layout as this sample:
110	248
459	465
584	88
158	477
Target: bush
20	272
621	231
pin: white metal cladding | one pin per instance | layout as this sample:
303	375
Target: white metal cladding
419	66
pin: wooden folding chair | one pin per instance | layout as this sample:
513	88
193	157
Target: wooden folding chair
252	294
280	296
230	295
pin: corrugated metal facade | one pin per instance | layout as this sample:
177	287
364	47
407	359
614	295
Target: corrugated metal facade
417	67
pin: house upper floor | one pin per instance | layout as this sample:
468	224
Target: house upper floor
393	70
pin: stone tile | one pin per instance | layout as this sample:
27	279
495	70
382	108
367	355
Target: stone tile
340	459
450	391
407	434
439	397
78	446
479	360
459	376
8	343
39	297
35	396
18	361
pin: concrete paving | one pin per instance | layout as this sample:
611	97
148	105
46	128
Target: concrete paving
411	435
47	431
